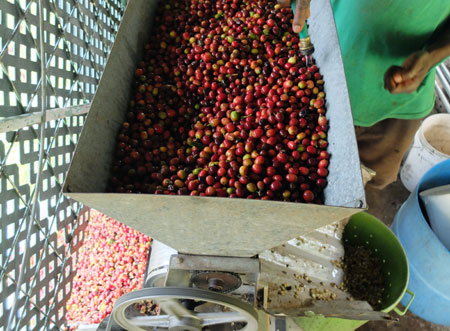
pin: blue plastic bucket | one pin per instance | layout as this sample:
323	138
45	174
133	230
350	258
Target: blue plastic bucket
429	259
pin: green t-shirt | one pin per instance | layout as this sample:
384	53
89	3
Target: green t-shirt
376	34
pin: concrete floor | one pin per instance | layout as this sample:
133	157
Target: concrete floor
384	205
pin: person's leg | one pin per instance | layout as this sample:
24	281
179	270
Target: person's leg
382	147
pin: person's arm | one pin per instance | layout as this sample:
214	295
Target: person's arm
408	77
301	13
439	47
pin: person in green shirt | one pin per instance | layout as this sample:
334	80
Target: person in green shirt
390	50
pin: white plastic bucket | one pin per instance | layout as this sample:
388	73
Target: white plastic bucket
431	146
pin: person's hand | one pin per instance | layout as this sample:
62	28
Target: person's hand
408	77
301	13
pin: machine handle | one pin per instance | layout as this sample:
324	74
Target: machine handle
401	313
304	33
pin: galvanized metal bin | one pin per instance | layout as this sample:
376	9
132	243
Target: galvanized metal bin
205	225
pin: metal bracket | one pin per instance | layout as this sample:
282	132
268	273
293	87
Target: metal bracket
183	267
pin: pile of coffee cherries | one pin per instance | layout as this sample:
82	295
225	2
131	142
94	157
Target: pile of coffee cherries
111	262
224	105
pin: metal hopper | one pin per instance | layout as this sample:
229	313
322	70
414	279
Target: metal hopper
203	225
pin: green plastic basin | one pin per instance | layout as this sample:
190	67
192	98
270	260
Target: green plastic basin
366	230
